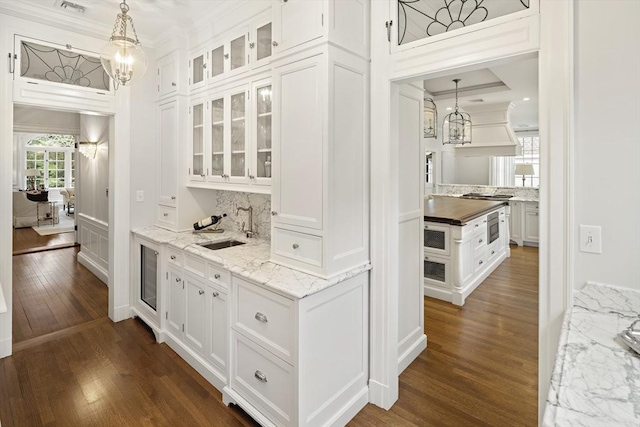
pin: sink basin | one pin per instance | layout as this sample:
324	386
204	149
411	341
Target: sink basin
221	245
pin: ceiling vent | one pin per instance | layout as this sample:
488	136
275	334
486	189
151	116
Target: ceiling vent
491	134
72	7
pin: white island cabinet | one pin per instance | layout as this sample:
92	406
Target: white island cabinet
464	241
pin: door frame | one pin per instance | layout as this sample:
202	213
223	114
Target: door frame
550	36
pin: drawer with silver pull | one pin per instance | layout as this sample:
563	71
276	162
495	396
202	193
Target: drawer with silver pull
218	275
195	265
480	260
166	214
265	317
263	379
299	246
174	257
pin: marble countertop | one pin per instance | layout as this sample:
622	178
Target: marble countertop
596	378
512	199
250	260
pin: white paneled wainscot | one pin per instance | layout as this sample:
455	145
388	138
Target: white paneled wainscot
94	245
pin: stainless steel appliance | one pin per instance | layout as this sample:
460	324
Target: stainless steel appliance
493	227
149	276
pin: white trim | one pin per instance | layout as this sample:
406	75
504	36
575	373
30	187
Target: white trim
93	267
5	348
412	353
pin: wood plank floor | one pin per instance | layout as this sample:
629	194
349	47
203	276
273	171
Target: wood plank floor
26	240
480	369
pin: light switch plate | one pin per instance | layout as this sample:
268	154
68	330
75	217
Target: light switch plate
139	196
591	239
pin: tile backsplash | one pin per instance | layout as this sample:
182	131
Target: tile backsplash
227	201
524	192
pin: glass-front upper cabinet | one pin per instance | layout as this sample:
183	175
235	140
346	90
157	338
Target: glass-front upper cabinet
217	61
238	134
197	70
217	137
260	42
260	169
197	169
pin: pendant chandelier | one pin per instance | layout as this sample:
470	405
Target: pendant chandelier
122	58
456	128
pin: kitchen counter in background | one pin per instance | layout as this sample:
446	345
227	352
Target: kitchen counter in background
520	194
455	211
250	260
596	378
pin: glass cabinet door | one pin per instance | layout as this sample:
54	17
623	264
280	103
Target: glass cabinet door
217	61
263	42
263	131
238	134
149	276
197	70
197	117
238	52
217	137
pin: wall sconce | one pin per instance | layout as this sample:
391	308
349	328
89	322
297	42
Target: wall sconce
88	149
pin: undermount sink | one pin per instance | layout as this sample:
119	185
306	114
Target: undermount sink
221	245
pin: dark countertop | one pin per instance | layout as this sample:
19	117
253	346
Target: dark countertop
456	211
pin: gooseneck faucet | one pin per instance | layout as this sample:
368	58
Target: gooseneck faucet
249	233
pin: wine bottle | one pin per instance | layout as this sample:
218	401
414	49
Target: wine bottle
206	222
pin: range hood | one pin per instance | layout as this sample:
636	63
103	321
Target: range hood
491	132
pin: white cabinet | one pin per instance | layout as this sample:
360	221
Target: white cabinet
168	77
524	223
168	117
218	327
197	70
197	133
320	177
195	314
436	239
437	271
261	142
284	367
175	303
260	41
296	22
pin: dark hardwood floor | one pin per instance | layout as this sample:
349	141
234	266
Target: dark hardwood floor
480	367
26	240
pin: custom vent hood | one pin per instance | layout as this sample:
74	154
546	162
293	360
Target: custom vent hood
491	134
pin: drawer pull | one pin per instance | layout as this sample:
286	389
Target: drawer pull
215	294
173	257
216	276
295	246
261	317
173	84
173	197
275	43
200	292
165	214
485	221
477	225
260	377
502	220
274	213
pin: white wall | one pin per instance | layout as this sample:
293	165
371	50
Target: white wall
607	177
93	174
472	170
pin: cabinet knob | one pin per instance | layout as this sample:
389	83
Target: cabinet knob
165	214
252	45
481	262
426	258
202	175
295	246
226	56
178	279
274	43
480	241
477	225
174	84
274	213
485	221
493	252
502	220
173	257
261	317
216	276
173	197
204	65
215	294
200	292
260	377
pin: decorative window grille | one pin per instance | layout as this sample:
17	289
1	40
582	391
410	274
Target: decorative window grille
418	19
434	271
58	65
531	155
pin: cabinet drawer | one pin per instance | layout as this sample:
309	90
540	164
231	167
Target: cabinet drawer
174	257
480	260
218	275
479	241
437	272
493	250
265	317
298	246
263	379
166	214
195	265
436	239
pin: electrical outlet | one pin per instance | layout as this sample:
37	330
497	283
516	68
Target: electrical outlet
591	239
139	196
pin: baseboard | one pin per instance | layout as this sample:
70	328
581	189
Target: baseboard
5	348
459	295
229	396
412	353
351	409
98	271
196	362
379	395
121	313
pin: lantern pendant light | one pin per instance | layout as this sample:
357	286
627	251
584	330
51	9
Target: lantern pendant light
456	128
122	58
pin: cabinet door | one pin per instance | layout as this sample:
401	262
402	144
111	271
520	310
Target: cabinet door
168	76
436	239
217	61
218	328
531	230
437	272
175	304
239	135
515	222
196	117
168	116
298	156
260	47
261	132
296	22
197	70
195	320
238	56
217	110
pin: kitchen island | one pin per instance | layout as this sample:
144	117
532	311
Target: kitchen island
464	241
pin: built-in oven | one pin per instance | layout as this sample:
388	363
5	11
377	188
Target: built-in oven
493	227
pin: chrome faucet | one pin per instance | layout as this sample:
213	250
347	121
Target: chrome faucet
249	233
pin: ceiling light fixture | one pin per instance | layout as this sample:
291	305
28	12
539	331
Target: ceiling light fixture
449	108
526	99
122	58
456	128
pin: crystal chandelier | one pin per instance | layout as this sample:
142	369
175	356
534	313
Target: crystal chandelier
456	128
123	58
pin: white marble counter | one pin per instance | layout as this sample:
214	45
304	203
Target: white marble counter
512	199
596	378
250	260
